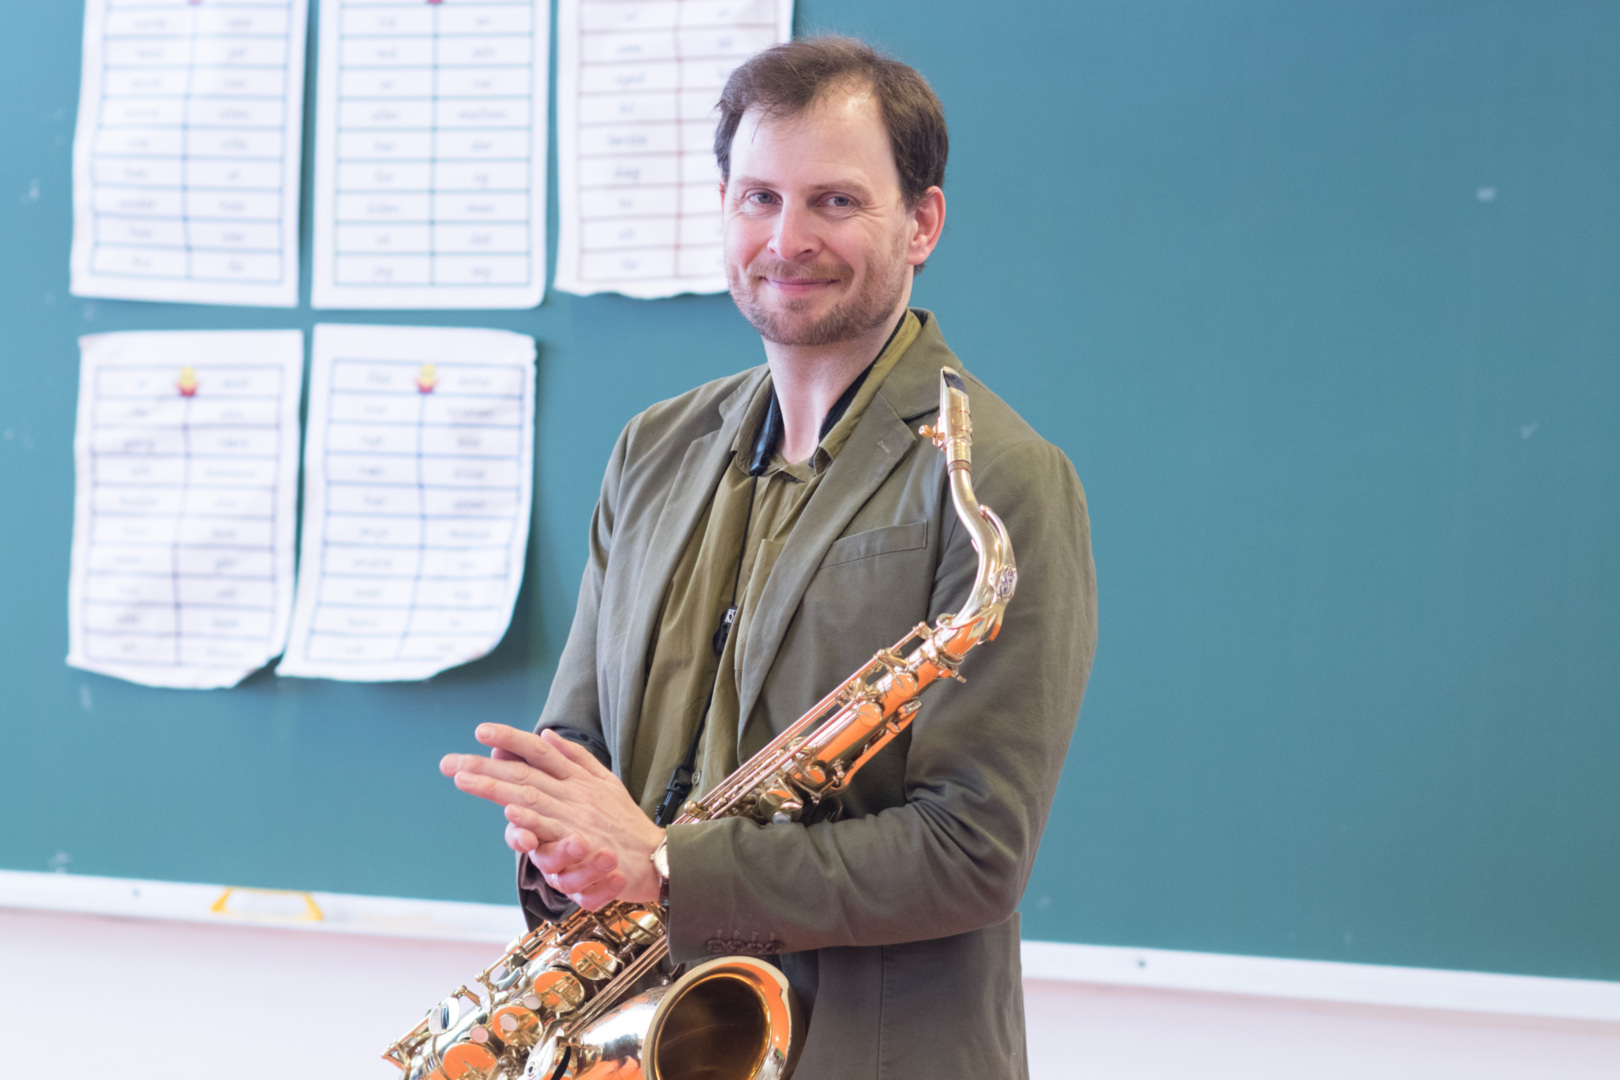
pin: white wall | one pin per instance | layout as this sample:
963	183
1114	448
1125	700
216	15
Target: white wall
91	997
1116	1033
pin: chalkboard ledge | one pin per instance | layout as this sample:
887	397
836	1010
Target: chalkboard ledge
1098	965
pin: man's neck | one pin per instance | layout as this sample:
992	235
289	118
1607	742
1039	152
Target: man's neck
809	379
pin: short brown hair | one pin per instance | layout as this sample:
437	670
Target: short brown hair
785	80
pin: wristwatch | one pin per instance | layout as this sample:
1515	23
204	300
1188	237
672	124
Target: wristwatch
660	863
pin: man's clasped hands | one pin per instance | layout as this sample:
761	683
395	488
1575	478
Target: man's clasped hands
565	812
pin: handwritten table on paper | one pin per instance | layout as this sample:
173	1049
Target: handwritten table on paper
430	159
186	154
637	85
417	483
187	472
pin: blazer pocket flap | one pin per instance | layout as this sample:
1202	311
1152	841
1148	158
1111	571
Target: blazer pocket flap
880	541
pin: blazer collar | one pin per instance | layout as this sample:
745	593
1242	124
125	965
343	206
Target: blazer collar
690	490
884	435
912	388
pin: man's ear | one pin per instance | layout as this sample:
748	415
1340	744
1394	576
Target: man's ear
927	223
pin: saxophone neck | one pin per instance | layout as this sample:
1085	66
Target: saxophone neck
997	574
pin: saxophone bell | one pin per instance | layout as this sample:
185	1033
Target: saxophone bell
733	1018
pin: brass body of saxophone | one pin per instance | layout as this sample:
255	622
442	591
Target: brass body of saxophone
595	995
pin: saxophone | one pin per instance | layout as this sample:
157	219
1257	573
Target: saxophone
594	996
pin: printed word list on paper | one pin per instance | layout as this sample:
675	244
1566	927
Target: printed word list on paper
187	150
430	154
418	473
187	485
637	86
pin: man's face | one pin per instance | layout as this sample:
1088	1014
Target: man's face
817	234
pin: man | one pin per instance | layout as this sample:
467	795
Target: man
756	541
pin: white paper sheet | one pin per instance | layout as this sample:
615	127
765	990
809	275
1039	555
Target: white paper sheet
418	472
430	154
186	154
187	485
637	86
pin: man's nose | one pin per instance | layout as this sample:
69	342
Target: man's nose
795	234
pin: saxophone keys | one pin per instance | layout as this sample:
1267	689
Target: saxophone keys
470	1060
558	991
647	926
903	684
633	926
593	960
517	1025
443	1016
869	713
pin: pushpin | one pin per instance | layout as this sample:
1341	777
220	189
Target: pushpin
427	379
188	382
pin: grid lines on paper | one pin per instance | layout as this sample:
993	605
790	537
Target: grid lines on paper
421	491
188	159
434	144
181	563
648	75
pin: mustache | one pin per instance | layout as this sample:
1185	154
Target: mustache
787	271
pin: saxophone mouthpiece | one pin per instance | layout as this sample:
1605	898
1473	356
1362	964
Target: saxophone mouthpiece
953	431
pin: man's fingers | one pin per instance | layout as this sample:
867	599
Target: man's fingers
576	754
509	794
538	752
588	888
520	840
570	856
603	892
505	776
546	831
506	742
514	771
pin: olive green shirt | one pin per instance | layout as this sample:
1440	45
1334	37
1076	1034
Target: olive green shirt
727	562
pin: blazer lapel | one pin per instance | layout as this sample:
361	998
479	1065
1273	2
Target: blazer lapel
881	439
690	490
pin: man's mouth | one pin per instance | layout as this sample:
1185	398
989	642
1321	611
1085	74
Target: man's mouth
796	280
800	283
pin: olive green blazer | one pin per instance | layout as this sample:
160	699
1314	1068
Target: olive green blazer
897	923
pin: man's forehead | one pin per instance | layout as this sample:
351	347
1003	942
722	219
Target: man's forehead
841	131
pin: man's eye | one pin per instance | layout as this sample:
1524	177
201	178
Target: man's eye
762	198
840	202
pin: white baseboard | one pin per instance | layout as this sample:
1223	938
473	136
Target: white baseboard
1324	980
341	913
1102	965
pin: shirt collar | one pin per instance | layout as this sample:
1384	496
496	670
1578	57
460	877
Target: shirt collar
764	419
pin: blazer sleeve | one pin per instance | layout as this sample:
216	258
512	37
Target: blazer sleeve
573	706
981	769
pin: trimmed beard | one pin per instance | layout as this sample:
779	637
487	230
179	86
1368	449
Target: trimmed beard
856	314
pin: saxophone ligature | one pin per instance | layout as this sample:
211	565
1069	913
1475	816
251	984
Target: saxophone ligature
596	995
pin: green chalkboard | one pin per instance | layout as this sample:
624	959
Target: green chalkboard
1324	302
